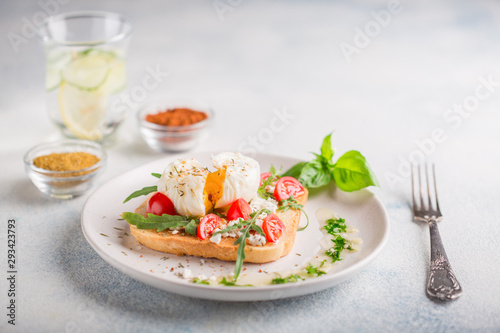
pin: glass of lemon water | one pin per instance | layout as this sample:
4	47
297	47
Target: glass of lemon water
86	72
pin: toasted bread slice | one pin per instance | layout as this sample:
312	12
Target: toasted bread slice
185	244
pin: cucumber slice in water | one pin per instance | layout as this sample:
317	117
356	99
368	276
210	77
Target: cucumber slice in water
56	60
87	72
95	69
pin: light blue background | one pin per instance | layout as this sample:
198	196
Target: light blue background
251	59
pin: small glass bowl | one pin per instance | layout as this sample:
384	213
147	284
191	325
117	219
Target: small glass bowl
173	138
64	184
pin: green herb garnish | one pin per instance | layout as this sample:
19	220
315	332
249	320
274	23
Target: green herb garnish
351	172
334	227
313	270
197	280
225	282
291	278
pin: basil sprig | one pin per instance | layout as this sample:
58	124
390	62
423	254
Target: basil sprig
351	172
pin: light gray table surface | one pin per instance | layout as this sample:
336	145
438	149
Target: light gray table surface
382	81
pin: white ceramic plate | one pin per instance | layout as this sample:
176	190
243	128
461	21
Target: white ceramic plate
109	237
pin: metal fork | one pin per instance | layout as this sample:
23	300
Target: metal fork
442	283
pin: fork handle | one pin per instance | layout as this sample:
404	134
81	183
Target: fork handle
442	283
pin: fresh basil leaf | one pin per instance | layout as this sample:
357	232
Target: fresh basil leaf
326	148
315	174
352	172
157	175
191	228
295	170
143	191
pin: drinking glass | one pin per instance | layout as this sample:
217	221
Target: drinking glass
85	56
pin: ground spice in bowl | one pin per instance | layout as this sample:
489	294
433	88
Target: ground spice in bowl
177	117
66	161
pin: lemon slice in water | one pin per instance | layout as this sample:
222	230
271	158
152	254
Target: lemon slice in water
83	111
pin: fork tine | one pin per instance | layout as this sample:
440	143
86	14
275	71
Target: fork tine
422	191
429	193
435	188
414	199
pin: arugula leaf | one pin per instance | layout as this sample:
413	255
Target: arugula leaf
192	227
258	229
231	228
291	278
159	223
285	204
241	252
143	191
352	172
241	241
262	190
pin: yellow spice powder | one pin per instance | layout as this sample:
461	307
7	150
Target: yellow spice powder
66	161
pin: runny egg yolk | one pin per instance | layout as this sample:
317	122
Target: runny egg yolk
213	188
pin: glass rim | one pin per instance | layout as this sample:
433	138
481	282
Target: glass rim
85	14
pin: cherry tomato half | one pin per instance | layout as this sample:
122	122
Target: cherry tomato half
286	187
207	225
273	227
160	204
239	208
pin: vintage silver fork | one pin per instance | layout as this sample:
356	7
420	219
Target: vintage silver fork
442	283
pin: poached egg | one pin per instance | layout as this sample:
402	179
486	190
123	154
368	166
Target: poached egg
195	191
